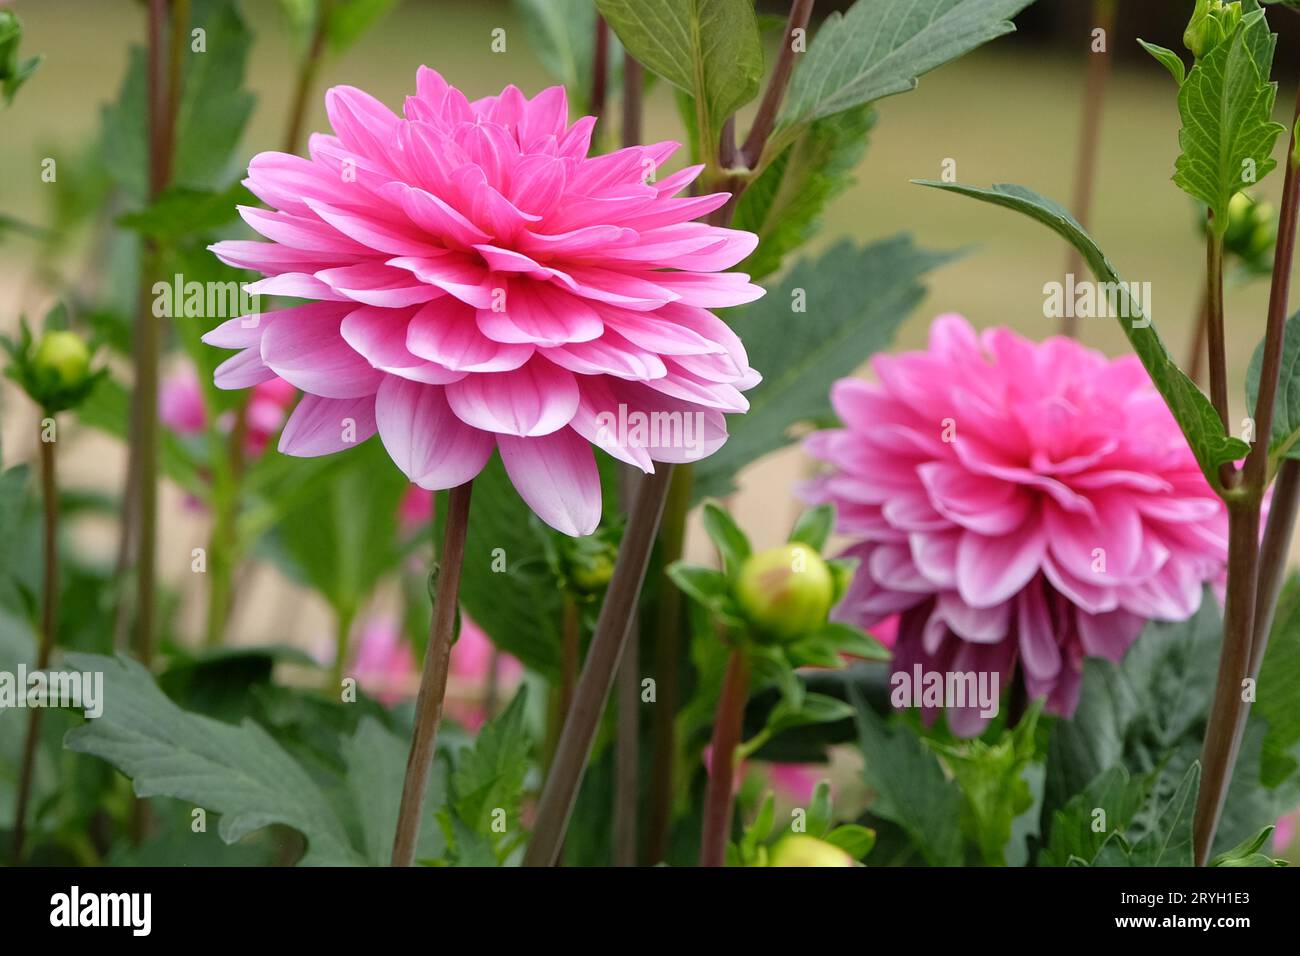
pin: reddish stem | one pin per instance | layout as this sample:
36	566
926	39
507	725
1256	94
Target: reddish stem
727	727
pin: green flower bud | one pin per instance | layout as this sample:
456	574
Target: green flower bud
1213	21
803	850
785	592
62	360
1252	231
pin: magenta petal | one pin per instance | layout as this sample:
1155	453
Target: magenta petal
431	446
536	399
540	314
313	356
446	332
242	370
322	426
556	476
379	336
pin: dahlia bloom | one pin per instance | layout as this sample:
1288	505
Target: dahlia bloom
1017	505
481	283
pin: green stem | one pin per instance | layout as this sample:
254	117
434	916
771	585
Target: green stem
433	679
668	628
342	631
727	727
49	627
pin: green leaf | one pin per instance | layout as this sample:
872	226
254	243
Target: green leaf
819	807
342	540
1170	60
563	35
812	709
709	588
108	410
506	586
1191	409
1246	853
847	639
181	211
1170	842
13	71
214	107
783	204
910	786
727	537
1286	402
238	772
376	772
882	47
853	299
711	49
814	526
1078	831
1226	105
991	777
1278	689
489	778
349	19
854	839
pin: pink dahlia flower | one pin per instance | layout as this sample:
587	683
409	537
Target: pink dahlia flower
1018	505
481	283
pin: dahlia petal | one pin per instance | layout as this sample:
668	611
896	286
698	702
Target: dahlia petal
610	354
445	332
300	232
321	426
373	233
272	258
432	214
536	399
242	370
377	284
991	570
379	336
711	290
431	446
362	123
313	357
540	314
1036	637
556	476
467	281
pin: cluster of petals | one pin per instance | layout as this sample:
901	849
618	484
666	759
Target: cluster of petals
478	282
1018	506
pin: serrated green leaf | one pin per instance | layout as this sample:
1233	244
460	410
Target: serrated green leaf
238	772
1278	689
1226	105
784	202
855	298
1171	60
1078	833
881	47
1170	842
1195	415
910	786
488	779
708	48
1285	440
181	211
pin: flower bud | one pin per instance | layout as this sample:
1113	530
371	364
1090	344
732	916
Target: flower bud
785	592
62	360
803	850
1252	231
1213	21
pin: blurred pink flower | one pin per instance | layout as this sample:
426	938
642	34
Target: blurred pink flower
481	283
796	781
471	667
1285	832
180	408
1019	505
416	507
383	663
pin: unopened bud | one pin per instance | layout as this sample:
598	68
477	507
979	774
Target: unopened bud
804	850
1213	21
62	360
785	592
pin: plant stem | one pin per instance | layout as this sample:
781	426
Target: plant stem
1272	557
1103	17
342	631
765	120
600	73
49	627
1214	325
1195	363
1245	637
433	680
569	639
668	625
727	727
627	741
603	655
307	71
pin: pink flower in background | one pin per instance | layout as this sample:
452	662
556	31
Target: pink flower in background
180	408
471	667
416	508
383	662
481	283
1018	505
385	666
1285	831
796	781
